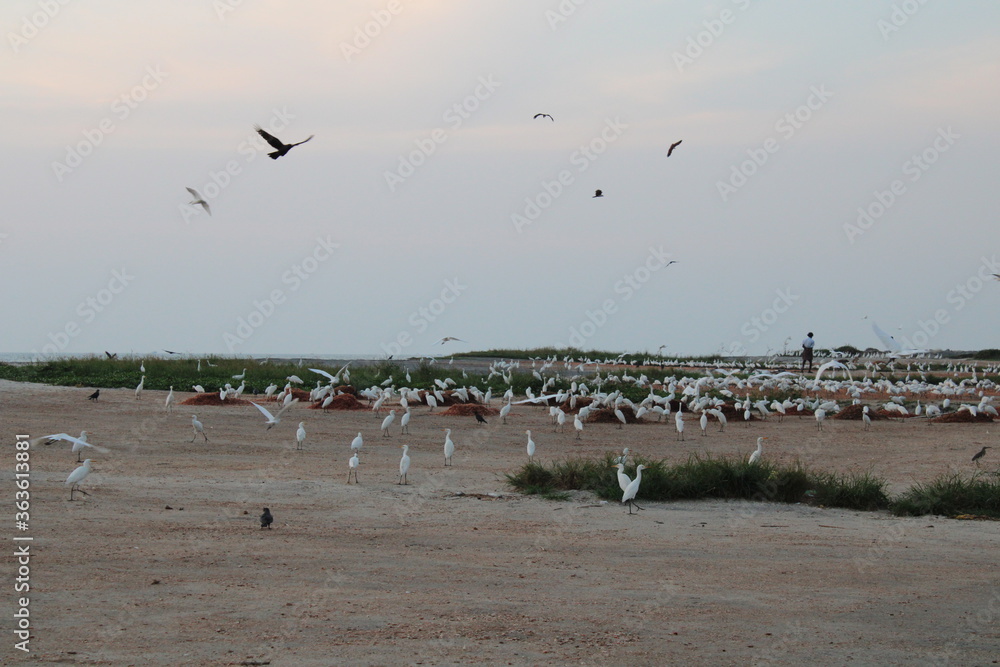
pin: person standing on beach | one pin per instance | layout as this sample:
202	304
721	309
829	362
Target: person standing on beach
807	351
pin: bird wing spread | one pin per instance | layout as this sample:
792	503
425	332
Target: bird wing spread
269	138
263	410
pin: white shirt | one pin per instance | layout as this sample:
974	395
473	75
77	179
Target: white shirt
808	343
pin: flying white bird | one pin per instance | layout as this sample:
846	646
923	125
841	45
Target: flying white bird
198	199
78	443
273	419
447	339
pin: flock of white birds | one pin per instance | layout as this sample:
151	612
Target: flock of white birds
705	393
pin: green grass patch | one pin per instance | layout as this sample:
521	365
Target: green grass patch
950	495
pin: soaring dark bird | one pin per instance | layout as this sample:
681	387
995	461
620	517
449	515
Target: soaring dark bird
980	454
94	396
111	356
479	418
545	115
673	146
266	519
598	194
280	148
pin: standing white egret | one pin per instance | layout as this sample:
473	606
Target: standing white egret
357	443
241	375
866	418
623	479
560	420
621	417
198	428
623	459
531	446
300	435
504	411
170	400
703	422
142	367
274	419
138	390
628	496
326	402
679	424
387	422
820	416
404	465
352	468
449	447
404	423
760	450
578	425
77	476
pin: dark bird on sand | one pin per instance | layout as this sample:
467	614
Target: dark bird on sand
599	193
480	419
93	397
280	148
545	115
673	146
980	454
266	519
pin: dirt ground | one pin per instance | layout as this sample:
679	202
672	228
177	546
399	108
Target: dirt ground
165	563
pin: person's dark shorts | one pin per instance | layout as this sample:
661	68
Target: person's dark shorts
807	354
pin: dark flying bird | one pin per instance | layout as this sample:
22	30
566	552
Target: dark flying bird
266	519
980	454
598	194
545	115
280	148
673	146
479	418
447	339
93	397
997	276
111	356
198	199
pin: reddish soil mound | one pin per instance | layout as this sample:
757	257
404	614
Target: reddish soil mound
581	402
469	409
341	402
345	389
607	416
212	399
855	412
961	417
300	394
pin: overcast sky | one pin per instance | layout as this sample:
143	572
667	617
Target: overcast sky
838	161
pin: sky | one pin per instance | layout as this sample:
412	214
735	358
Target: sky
838	162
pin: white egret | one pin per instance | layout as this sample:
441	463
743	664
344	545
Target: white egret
78	443
170	400
703	422
623	458
621	417
274	419
387	422
679	424
138	390
820	416
326	402
449	447
531	446
241	375
198	428
404	465
504	411
198	388
294	378
578	425
754	457
866	418
198	199
77	476
623	479
628	496
352	468
357	443
404	423
300	435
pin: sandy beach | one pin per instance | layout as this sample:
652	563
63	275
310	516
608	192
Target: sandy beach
164	561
